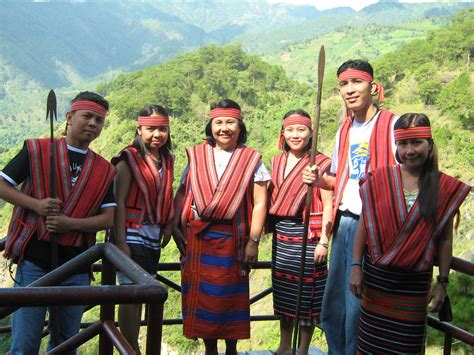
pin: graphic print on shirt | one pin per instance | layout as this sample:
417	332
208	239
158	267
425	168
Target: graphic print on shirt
75	170
359	151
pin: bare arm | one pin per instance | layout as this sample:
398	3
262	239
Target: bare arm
44	207
178	229
122	183
321	251
445	255
258	219
356	282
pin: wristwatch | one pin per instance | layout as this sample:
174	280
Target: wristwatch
255	239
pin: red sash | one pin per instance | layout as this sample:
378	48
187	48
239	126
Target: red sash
220	199
288	195
150	192
227	199
380	150
399	238
79	202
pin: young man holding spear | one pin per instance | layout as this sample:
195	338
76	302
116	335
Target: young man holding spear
82	204
363	143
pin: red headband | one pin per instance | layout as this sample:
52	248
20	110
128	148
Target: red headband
291	120
154	121
360	74
412	133
297	119
90	106
226	112
355	74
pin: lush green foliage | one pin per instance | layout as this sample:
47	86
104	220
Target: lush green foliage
368	42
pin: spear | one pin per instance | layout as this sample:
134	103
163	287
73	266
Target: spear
51	112
51	115
309	194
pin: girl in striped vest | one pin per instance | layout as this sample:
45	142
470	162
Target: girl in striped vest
144	193
407	221
287	204
220	212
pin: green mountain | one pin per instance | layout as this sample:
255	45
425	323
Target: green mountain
369	42
74	44
383	13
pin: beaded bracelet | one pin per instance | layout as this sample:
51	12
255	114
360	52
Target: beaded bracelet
326	245
356	263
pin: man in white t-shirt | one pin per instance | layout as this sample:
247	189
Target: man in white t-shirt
363	142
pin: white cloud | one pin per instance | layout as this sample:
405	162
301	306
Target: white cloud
325	4
355	4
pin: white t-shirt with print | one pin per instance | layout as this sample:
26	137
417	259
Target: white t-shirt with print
359	139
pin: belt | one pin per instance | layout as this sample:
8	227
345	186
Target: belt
347	213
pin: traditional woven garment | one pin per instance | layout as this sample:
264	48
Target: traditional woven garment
215	296
393	310
81	201
398	266
288	197
380	150
151	192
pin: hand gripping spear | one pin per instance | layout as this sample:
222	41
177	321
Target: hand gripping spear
309	194
51	114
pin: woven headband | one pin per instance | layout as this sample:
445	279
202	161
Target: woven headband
226	112
355	74
291	120
360	74
154	121
297	119
90	106
412	133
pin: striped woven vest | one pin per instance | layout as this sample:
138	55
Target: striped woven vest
380	150
79	202
151	192
288	195
219	199
396	236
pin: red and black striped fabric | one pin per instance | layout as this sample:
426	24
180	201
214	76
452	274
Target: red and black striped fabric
288	195
286	264
215	297
393	310
81	201
405	240
287	204
151	192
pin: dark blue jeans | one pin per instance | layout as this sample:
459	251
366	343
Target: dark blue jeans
27	323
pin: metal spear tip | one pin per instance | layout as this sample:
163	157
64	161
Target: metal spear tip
51	111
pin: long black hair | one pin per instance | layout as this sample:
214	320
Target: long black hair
429	178
226	103
149	110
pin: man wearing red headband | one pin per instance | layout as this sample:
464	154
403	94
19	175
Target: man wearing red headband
84	204
363	143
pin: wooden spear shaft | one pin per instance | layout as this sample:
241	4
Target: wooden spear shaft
309	194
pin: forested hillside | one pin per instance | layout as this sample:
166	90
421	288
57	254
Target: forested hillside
384	13
431	75
70	45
